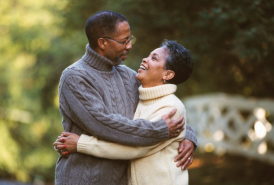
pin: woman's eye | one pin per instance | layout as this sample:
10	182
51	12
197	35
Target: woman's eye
154	58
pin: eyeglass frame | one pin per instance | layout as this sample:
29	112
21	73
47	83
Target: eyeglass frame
125	43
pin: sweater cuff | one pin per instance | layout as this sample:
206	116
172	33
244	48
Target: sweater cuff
190	135
83	143
164	131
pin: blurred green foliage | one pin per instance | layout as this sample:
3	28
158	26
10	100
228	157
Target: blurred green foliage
231	42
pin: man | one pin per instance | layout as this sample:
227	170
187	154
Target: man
98	97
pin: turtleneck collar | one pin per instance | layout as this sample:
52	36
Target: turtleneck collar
153	93
96	60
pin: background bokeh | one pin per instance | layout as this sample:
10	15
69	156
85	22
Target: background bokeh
231	42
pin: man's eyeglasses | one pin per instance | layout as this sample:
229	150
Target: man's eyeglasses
125	43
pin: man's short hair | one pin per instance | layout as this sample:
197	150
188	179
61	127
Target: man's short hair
102	24
179	60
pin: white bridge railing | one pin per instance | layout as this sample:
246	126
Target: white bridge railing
233	124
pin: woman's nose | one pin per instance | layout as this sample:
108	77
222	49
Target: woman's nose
144	60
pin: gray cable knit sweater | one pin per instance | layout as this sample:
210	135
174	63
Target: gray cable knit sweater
99	99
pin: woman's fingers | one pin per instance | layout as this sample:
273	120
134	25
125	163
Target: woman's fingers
62	147
66	134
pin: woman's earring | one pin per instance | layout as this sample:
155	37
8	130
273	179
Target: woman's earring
164	81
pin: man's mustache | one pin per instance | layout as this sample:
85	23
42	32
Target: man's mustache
125	53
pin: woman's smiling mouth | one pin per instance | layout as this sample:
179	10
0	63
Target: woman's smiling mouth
143	67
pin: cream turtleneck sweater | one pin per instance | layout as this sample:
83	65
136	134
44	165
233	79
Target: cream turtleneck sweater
151	165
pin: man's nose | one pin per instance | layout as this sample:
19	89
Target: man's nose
129	45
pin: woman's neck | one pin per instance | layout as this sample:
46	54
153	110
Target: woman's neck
149	85
155	92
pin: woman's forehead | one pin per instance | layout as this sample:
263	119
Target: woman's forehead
161	52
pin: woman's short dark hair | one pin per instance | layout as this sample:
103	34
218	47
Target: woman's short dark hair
102	24
178	59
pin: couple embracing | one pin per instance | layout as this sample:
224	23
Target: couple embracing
123	127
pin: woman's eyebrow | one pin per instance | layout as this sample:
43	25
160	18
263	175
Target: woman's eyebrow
154	54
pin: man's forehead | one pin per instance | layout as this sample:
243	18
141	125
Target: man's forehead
123	30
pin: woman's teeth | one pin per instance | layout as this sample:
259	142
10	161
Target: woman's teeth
142	67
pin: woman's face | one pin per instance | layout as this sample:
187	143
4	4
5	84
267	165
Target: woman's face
152	69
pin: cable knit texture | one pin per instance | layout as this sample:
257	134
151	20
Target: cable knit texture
99	99
151	164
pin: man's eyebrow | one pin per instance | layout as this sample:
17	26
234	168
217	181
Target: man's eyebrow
126	37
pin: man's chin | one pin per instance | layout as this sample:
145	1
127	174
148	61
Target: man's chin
119	62
123	57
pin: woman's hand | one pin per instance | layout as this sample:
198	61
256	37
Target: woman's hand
175	126
66	143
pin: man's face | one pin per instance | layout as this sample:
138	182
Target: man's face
117	51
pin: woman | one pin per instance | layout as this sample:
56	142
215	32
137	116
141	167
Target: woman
165	66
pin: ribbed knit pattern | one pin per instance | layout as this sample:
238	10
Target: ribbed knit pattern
158	166
100	99
149	95
151	164
152	94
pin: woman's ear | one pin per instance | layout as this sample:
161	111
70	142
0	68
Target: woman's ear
169	75
101	43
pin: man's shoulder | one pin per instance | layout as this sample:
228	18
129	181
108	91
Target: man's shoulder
75	69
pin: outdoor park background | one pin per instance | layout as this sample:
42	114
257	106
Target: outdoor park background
231	42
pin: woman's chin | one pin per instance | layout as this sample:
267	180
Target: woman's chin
138	76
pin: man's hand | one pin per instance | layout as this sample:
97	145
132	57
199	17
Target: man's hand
66	143
175	126
186	154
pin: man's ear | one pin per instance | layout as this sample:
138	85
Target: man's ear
101	43
169	75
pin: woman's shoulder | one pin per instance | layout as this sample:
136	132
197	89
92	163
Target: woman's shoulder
173	101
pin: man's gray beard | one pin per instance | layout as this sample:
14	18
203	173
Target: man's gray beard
118	62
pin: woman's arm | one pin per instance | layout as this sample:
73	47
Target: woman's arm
93	146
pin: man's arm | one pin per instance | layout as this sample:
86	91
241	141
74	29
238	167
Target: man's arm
69	141
93	146
190	135
92	116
